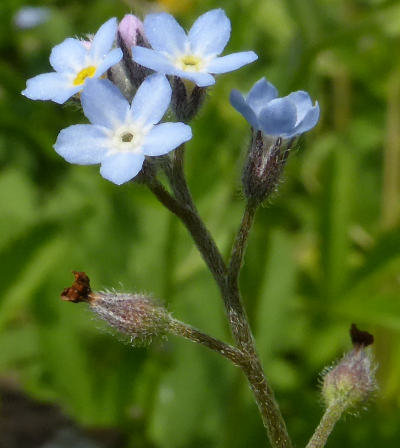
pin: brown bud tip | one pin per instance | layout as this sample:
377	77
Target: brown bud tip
79	291
360	338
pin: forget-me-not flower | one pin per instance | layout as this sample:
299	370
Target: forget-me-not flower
121	135
31	16
74	61
283	117
192	56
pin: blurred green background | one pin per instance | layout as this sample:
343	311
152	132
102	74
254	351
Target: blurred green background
324	253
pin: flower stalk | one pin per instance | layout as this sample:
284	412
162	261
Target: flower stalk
346	386
329	419
227	279
187	331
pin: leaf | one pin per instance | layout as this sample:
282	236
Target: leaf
337	202
25	270
186	407
385	251
274	315
17	205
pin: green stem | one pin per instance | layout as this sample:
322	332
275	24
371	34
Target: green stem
326	425
197	229
187	331
240	244
228	285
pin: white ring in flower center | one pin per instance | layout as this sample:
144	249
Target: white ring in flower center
127	138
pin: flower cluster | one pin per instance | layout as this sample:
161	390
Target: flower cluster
111	75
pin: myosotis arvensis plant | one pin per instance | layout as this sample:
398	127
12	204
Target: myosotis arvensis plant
126	77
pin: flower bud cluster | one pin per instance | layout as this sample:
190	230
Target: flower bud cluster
352	381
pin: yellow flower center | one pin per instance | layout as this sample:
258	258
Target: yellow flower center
190	63
87	72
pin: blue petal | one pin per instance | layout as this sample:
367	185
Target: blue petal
50	86
260	94
165	137
162	64
121	167
152	59
199	78
309	121
69	56
103	103
103	39
83	144
210	33
164	33
231	62
151	100
239	103
302	102
112	58
278	117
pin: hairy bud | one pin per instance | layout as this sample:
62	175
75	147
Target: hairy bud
187	99
127	74
352	381
138	316
266	159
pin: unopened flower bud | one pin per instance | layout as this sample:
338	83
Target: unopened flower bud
87	43
131	31
187	98
352	381
264	165
138	316
127	74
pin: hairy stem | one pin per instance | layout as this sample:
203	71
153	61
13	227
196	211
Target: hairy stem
269	409
326	425
177	178
228	285
181	329
240	243
197	229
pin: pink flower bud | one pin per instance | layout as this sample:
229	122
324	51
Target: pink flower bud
131	31
87	44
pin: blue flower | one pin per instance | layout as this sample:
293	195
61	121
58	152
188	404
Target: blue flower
192	56
75	61
31	16
121	135
283	117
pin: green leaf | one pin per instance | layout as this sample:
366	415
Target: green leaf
385	251
276	323
337	203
